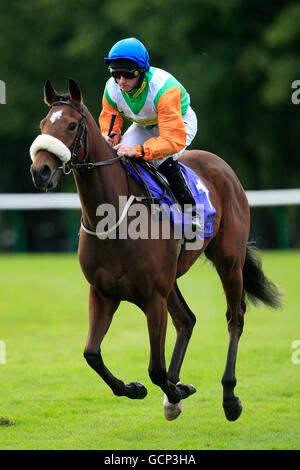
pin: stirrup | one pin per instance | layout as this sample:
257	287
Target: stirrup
197	224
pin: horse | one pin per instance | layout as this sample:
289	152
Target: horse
145	271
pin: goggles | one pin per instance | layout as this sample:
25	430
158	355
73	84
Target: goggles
124	73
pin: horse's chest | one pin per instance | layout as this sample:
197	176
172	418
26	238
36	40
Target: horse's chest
120	287
109	277
120	273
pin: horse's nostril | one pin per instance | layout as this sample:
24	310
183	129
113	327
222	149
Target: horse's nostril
44	172
41	176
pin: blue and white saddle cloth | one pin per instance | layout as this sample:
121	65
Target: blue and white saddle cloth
181	222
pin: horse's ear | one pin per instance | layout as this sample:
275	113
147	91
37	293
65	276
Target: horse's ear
50	95
75	93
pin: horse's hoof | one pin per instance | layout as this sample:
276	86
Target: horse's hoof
234	410
172	411
135	390
186	390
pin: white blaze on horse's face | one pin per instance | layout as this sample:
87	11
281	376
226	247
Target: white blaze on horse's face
56	115
50	143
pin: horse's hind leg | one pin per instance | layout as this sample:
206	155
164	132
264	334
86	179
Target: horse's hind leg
101	311
227	252
230	268
235	313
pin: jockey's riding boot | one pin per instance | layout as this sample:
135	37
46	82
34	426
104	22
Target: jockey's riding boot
172	171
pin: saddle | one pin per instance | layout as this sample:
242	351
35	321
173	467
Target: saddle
158	192
157	177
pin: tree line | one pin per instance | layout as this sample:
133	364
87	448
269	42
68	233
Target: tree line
238	60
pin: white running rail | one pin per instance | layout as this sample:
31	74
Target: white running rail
40	201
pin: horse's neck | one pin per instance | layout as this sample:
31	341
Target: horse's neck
102	184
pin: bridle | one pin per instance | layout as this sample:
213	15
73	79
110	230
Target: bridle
80	139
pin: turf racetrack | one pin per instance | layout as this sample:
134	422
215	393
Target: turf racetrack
51	399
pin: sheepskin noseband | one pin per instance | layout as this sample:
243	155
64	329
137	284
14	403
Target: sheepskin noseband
53	145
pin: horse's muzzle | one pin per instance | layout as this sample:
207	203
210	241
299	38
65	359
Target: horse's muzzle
45	173
41	176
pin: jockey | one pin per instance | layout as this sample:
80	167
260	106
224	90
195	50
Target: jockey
163	122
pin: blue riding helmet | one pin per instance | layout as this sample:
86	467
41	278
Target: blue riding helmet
131	49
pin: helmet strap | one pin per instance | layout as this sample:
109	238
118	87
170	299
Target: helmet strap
141	79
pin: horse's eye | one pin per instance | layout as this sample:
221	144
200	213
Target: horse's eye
72	126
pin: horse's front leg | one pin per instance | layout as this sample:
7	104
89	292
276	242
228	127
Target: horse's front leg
184	321
156	312
101	311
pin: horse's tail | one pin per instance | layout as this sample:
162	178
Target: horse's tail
256	286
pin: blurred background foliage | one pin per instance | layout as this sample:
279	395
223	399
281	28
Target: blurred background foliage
236	58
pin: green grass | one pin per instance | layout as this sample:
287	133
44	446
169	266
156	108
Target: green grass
51	399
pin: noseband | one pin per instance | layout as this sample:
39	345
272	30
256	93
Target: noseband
82	134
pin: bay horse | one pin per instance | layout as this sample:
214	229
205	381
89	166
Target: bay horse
145	271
